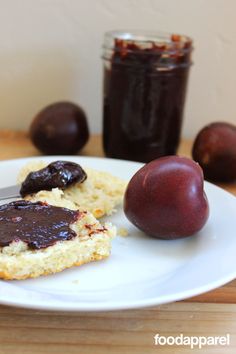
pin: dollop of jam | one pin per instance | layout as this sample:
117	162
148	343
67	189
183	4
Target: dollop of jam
38	224
61	174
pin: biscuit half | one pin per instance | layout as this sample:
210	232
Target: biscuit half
92	242
100	193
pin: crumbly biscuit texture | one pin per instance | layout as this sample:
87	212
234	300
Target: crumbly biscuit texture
93	242
100	193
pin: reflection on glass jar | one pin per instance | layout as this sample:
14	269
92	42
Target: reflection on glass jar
145	80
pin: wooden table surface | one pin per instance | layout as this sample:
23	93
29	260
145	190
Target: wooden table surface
30	331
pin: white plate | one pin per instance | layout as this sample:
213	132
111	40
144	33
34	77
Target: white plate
141	271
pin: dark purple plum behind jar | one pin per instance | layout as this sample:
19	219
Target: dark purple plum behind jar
145	81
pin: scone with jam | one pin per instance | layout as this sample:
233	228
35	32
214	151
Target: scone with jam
100	193
39	239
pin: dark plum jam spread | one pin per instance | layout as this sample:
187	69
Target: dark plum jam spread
61	174
144	95
38	224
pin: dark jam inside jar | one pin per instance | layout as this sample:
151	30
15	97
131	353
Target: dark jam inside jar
145	84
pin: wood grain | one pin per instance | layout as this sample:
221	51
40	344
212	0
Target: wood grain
126	332
27	331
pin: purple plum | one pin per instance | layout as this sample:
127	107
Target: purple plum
165	198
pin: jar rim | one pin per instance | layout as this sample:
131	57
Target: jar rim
163	41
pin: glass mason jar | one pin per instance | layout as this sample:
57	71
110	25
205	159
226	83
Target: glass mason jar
145	80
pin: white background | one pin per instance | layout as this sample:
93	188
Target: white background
51	50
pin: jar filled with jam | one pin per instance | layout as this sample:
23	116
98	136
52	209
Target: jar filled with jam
145	81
